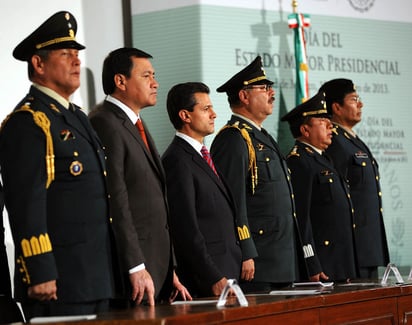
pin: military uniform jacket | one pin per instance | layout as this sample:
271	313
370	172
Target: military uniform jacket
354	161
60	232
202	219
324	212
266	221
138	197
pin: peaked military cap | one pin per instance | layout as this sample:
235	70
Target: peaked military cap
57	32
313	107
253	74
336	90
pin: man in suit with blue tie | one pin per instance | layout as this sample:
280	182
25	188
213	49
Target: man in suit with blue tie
202	211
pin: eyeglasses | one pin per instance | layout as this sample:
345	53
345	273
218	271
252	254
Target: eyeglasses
265	87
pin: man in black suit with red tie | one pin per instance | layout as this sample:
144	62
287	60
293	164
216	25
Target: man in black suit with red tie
202	211
136	179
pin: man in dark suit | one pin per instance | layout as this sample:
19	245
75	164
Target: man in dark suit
202	213
355	162
53	170
323	206
136	179
257	174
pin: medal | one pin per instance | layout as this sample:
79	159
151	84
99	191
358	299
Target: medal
76	168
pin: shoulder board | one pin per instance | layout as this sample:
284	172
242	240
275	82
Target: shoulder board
309	150
251	150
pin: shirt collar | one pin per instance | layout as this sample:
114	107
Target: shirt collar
62	101
248	120
194	143
132	115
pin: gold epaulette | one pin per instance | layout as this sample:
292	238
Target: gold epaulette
252	155
43	122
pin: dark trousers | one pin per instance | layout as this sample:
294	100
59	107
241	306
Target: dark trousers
368	273
262	287
55	308
9	311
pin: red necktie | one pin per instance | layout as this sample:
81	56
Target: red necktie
206	156
140	127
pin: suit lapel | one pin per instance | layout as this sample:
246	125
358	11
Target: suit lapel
153	156
201	162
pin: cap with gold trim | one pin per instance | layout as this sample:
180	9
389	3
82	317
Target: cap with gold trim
57	32
336	89
253	74
313	107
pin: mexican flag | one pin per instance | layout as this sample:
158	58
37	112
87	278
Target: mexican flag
298	22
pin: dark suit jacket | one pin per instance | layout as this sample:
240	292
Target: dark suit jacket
354	161
202	219
72	214
269	211
137	188
324	212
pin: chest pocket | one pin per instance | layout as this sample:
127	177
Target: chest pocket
326	181
268	164
356	173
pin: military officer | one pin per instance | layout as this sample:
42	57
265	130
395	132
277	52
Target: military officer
355	162
323	206
53	171
256	171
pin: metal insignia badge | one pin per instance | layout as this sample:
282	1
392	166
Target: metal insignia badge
66	135
76	168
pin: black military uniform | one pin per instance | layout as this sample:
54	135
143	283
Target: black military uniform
258	177
53	168
9	311
355	162
323	206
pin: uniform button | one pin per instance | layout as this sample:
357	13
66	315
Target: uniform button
294	214
348	195
363	163
288	178
293	196
105	173
24	280
261	232
381	210
18	261
354	226
111	220
105	157
21	270
380	193
76	154
326	242
267	159
108	196
377	178
353	210
330	180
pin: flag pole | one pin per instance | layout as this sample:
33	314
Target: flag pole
295	6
